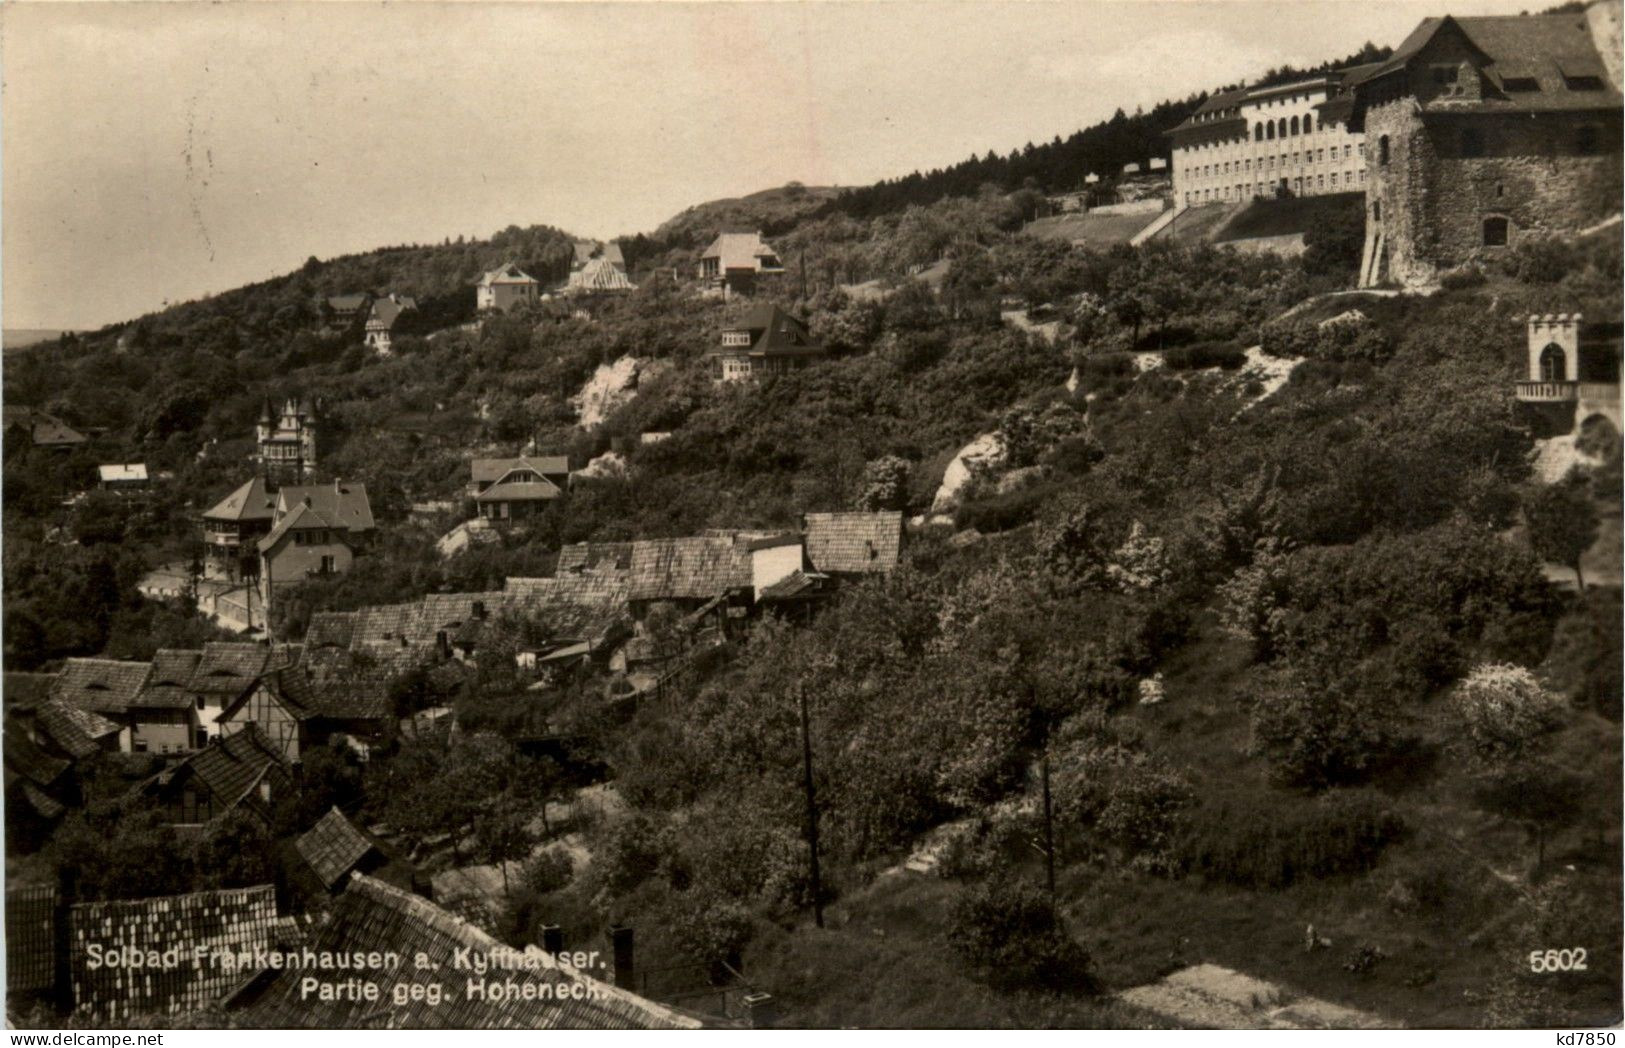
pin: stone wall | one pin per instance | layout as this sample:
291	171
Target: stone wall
1447	173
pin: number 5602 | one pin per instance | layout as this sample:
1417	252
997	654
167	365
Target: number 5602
1558	960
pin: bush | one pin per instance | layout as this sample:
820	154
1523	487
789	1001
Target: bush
1340	833
1344	340
1003	512
547	872
1006	932
1541	261
1502	709
1317	730
1225	355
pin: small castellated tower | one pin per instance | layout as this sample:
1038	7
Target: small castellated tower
1554	347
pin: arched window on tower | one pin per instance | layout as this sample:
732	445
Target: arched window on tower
1553	364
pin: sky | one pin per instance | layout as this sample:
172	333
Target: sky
157	152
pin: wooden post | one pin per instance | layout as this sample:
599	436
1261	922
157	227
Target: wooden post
1049	840
812	809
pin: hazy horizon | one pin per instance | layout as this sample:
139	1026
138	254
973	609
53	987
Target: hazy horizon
220	144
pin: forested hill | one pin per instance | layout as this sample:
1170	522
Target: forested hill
440	276
1062	164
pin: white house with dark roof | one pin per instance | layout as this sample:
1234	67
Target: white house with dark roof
381	321
733	261
505	287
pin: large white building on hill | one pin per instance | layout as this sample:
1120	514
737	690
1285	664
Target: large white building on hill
1268	141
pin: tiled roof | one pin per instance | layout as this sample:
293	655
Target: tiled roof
232	765
372	916
225	667
1544	48
594	589
251	501
688	568
741	251
101	685
386	310
301	516
30	939
490	470
773	332
234	920
24	757
588	556
338	694
344	503
853	543
507	273
331	629
333	847
795	586
73	730
348	303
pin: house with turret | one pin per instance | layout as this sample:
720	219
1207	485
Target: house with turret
286	442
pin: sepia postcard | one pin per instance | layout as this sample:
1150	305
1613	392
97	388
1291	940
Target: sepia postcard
804	515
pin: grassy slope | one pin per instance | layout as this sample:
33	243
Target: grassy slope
1091	229
1273	218
882	961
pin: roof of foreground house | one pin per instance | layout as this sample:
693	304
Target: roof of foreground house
74	731
333	847
491	470
101	685
373	916
344	503
30	938
854	543
692	568
251	501
231	765
773	332
234	919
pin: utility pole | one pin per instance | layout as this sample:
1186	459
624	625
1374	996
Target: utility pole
812	808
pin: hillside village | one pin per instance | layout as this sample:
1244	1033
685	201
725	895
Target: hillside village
1181	591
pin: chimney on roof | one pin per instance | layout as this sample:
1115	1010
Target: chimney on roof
620	941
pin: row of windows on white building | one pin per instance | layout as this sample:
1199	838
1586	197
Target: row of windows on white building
1299	184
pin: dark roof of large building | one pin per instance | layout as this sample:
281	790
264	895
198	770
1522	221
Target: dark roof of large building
1551	50
101	685
75	731
854	543
222	668
302	516
342	694
688	568
387	309
234	920
773	332
231	766
372	916
333	847
344	503
251	501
